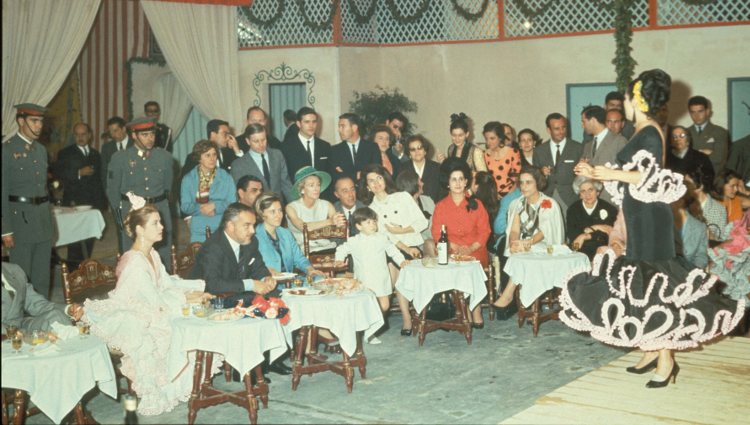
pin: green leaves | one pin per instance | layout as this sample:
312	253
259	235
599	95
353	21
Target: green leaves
375	105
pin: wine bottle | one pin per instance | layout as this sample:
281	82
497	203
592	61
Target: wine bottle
442	246
131	418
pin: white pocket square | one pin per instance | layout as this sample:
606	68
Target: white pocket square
323	157
711	140
568	161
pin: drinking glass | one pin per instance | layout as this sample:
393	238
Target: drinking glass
186	310
37	337
550	249
16	341
11	330
83	329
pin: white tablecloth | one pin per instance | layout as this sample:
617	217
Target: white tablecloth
539	272
241	342
57	379
419	283
343	315
73	226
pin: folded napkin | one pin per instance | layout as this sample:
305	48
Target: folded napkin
64	332
191	284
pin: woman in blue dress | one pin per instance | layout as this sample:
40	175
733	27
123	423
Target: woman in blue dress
647	298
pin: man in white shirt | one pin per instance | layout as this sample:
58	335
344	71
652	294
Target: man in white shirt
557	157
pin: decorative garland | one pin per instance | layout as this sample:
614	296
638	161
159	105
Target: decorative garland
623	61
129	84
530	13
280	9
325	25
405	20
699	2
469	16
362	18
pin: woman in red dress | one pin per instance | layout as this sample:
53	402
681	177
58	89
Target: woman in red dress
465	219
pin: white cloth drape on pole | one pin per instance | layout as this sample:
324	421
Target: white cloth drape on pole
41	41
175	103
200	46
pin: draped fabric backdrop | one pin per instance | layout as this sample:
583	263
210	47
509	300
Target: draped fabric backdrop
174	102
119	33
41	41
199	42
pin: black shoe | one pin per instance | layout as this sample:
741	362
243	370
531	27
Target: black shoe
406	332
644	369
279	368
505	313
661	384
478	325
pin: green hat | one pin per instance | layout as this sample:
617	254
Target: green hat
307	171
30	109
142	124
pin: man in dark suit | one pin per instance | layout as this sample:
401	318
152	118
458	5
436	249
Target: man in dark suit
304	147
163	132
605	145
739	159
231	264
683	159
708	137
229	150
263	162
347	203
118	141
397	122
290	121
256	115
79	167
616	100
349	157
557	157
427	169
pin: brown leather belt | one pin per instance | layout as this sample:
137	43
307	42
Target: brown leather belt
153	200
33	200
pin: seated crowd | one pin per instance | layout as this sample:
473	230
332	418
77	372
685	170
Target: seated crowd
250	200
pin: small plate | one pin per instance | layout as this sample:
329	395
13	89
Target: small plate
82	207
301	291
225	316
284	276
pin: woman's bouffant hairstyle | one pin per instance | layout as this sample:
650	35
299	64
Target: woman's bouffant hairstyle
536	173
497	128
655	89
408	181
363	192
264	202
138	217
535	137
383	129
451	165
722	179
203	146
460	120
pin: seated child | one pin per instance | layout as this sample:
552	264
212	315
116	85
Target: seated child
368	249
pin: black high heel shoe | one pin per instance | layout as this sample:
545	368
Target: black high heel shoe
664	383
644	369
406	332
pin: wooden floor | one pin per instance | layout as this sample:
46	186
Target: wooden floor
713	387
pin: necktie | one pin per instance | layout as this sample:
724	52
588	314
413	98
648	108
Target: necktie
350	222
699	128
309	154
120	146
354	154
593	149
266	173
557	155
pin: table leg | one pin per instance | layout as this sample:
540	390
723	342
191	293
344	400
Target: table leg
6	420
260	383
19	404
462	313
207	369
535	312
80	414
299	354
251	400
521	309
360	354
195	395
420	326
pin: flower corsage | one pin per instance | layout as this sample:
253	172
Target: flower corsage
546	204
271	308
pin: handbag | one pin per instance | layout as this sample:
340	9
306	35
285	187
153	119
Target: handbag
441	307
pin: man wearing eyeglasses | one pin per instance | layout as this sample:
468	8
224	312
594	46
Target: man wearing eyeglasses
427	170
163	133
684	159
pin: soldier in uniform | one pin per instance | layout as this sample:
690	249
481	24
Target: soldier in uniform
147	172
26	221
163	133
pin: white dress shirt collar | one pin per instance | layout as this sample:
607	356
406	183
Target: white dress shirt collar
234	245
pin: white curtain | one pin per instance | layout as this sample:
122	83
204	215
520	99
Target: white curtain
41	41
199	42
174	102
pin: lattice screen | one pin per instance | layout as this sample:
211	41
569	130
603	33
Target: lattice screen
289	29
565	16
677	12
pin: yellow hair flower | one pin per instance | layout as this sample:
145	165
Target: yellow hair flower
639	100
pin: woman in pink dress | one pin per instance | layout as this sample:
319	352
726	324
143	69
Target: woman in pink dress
501	157
135	317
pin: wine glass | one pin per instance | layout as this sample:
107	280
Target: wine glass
16	341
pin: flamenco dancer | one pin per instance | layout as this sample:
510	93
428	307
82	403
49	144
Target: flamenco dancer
647	298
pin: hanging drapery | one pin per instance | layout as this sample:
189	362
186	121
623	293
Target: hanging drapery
41	41
174	102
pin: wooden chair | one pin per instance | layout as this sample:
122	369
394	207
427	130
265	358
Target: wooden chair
537	314
94	280
323	261
492	282
183	261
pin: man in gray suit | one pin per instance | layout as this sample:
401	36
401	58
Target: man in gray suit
347	203
708	137
119	141
605	145
146	171
557	157
25	309
266	163
26	219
